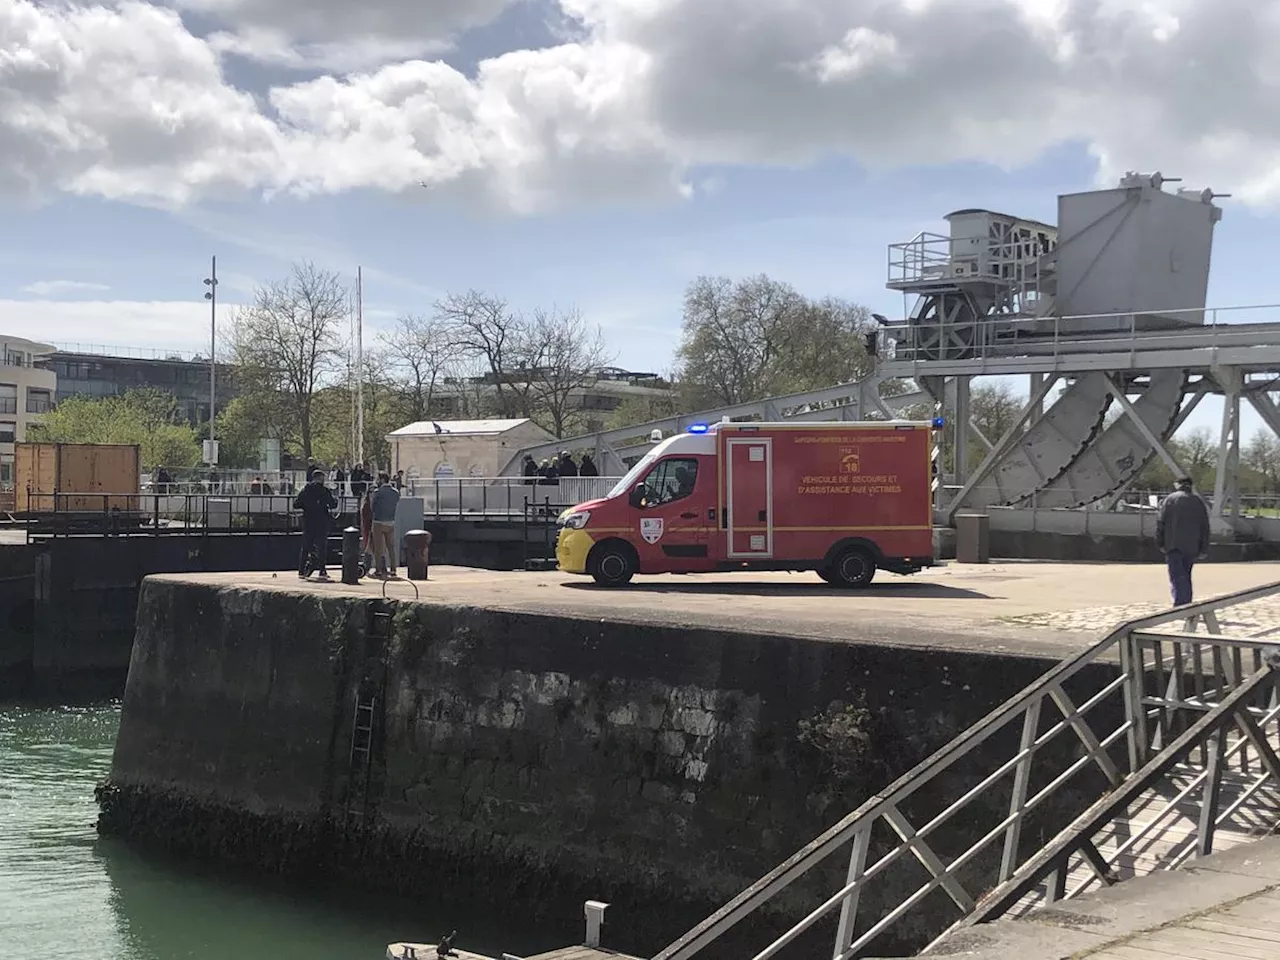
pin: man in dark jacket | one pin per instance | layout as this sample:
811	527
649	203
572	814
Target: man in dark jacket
1182	531
529	469
315	501
566	466
588	468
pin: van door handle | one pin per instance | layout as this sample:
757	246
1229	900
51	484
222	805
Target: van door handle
688	516
764	516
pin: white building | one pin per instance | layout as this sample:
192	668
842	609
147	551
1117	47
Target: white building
27	390
461	448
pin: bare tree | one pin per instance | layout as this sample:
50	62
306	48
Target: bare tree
425	351
487	331
565	355
289	344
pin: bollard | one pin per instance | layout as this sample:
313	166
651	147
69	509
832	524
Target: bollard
351	555
417	549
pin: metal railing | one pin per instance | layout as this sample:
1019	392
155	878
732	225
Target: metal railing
1229	731
478	497
1051	336
957	820
153	514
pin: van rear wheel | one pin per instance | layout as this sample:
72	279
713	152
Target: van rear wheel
854	568
612	565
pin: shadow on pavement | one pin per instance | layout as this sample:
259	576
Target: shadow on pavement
746	588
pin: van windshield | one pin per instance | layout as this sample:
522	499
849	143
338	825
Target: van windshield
633	475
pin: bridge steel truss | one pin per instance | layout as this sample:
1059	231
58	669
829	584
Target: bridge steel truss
860	400
1123	395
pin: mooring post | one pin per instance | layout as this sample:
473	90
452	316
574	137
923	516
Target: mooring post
351	555
417	548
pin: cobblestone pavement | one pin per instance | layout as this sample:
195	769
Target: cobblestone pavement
1243	620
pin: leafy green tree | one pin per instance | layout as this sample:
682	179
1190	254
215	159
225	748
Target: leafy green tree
148	418
757	337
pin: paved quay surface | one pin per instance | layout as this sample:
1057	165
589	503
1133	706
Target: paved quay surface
1027	607
1223	907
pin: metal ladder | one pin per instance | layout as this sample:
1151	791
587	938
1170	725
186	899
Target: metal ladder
361	759
364	717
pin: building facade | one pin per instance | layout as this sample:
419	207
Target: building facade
27	390
449	449
83	373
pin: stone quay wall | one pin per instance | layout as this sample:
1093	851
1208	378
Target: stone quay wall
527	762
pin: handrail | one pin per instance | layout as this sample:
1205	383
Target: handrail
1078	836
1123	644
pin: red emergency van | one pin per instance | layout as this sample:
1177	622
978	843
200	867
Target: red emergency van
844	499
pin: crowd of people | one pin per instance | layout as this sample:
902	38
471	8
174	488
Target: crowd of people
550	470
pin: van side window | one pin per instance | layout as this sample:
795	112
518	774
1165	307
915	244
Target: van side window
670	480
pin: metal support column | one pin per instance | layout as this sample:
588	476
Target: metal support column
960	385
1037	379
1226	487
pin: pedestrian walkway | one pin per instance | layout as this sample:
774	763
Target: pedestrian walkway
1224	907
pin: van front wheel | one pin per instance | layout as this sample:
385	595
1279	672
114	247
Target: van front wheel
612	565
854	568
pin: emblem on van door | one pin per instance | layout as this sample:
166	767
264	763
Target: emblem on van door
651	529
852	463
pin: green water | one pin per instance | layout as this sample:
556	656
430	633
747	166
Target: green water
66	893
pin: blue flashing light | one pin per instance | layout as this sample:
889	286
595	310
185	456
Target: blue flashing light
939	422
698	428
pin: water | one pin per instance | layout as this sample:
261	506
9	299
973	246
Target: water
66	893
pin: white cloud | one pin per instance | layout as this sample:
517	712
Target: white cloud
157	324
51	288
123	102
339	34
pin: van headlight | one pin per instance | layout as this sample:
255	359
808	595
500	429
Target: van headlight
575	520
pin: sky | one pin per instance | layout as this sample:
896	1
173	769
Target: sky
596	154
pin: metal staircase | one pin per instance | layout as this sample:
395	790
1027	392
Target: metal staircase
1157	745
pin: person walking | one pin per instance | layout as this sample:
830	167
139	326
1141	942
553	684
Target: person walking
384	500
1182	531
315	501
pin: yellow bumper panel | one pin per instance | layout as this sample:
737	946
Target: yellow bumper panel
572	547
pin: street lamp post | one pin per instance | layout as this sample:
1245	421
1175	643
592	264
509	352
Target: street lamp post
211	295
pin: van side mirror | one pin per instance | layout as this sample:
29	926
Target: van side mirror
636	497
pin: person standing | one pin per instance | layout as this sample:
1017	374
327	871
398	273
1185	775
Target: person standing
360	478
315	501
529	469
588	468
384	500
1182	531
366	531
566	466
